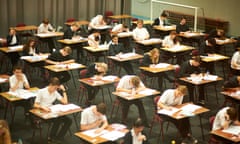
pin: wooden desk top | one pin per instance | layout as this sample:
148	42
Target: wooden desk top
49	34
177	49
158	69
26	28
226	136
10	49
72	41
49	115
144	93
145	22
165	28
200	80
214	58
151	41
64	67
100	82
80	22
192	34
179	114
4	78
34	59
124	16
98	139
13	98
232	92
225	41
101	48
123	34
126	57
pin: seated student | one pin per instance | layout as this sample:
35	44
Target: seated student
182	26
29	49
98	70
235	63
61	57
5	136
151	59
13	40
140	33
161	20
94	117
46	27
94	39
208	48
217	33
232	82
96	22
131	84
70	32
19	81
44	99
225	117
120	28
116	49
171	98
192	68
136	135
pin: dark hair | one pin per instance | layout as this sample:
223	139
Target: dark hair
26	47
138	123
17	67
196	58
113	36
212	41
45	21
54	81
101	108
232	113
163	14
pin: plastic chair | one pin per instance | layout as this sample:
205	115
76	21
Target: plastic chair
82	91
70	20
108	20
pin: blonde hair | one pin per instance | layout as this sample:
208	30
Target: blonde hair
104	66
135	80
67	49
182	89
151	53
140	21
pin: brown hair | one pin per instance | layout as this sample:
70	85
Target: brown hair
101	108
135	81
26	47
140	21
67	49
232	113
45	21
54	81
151	53
138	123
196	59
182	89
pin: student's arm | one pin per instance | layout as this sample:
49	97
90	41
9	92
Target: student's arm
64	99
104	125
123	90
84	127
68	61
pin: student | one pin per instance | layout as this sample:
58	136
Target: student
171	98
136	135
161	20
235	63
171	40
17	82
151	59
94	39
96	70
232	82
70	32
96	22
140	33
217	33
45	26
5	136
120	28
116	49
45	98
29	49
13	40
131	84
61	57
182	26
192	68
224	118
94	117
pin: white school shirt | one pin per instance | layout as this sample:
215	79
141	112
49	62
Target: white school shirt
43	29
135	137
124	82
236	59
220	119
140	33
13	80
14	40
169	99
167	41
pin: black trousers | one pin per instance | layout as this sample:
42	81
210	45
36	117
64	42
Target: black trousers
60	127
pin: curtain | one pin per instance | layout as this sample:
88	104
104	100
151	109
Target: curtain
32	12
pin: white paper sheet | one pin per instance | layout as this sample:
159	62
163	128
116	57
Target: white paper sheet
113	135
147	92
109	78
2	80
168	112
233	130
126	55
162	65
63	108
91	133
22	93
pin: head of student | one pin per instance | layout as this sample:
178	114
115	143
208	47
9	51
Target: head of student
12	31
173	34
74	27
101	68
140	23
54	84
45	22
232	114
138	126
154	55
114	38
135	81
163	16
17	71
181	90
196	61
101	109
66	51
183	21
31	42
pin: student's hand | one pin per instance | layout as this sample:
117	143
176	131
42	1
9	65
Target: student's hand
168	108
62	88
20	77
98	130
46	109
142	138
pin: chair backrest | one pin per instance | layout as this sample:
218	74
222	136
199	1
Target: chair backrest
71	20
156	99
211	121
108	13
20	25
195	52
83	73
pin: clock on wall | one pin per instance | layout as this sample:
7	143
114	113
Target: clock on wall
142	1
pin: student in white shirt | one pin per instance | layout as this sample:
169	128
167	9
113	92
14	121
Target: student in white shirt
45	27
96	22
224	118
94	117
45	98
120	28
171	40
136	135
171	98
140	33
94	39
